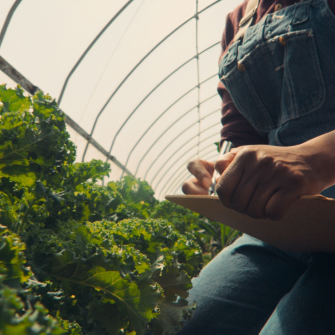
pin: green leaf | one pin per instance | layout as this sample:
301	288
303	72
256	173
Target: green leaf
19	318
136	301
172	317
105	255
175	283
13	100
19	174
20	313
12	260
110	318
81	172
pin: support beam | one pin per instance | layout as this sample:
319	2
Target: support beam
6	68
11	72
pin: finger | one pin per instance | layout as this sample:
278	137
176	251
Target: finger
279	204
228	182
261	196
224	161
291	187
202	170
256	174
244	192
193	186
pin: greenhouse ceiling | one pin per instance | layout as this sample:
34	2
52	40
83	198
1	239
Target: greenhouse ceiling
137	79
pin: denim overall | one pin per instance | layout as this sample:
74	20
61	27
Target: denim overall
281	77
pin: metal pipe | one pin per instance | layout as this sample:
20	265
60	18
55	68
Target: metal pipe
164	164
138	64
198	67
157	139
148	95
166	110
89	48
174	139
32	89
8	19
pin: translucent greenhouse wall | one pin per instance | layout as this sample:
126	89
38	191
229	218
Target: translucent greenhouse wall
138	77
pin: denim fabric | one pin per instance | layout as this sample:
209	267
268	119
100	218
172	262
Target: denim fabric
251	285
286	89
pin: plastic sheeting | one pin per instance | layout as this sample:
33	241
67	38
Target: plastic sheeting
141	91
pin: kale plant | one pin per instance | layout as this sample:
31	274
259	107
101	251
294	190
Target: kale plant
76	257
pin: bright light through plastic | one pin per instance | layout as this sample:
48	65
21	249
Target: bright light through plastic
45	39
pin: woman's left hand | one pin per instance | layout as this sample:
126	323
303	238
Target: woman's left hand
262	181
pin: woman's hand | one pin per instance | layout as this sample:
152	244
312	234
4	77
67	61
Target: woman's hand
203	172
262	181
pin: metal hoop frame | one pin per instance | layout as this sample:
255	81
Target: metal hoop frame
198	106
180	157
173	138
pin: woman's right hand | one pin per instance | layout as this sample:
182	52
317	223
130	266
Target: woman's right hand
202	180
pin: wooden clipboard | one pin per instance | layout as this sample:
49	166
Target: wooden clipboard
308	226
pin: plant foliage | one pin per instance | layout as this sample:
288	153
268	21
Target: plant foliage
79	258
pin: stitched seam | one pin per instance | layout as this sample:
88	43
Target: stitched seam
290	36
321	83
259	103
290	87
265	45
262	47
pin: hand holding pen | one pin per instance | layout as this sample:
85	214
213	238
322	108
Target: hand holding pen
225	148
204	176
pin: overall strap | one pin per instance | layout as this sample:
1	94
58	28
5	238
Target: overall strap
247	19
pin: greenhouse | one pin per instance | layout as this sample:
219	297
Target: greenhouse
167	167
114	99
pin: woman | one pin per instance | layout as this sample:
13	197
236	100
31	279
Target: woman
278	93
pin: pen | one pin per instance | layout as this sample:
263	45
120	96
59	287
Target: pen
226	146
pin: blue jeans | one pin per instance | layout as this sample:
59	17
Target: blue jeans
254	288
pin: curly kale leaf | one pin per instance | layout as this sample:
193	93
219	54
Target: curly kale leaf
20	311
104	261
86	265
33	138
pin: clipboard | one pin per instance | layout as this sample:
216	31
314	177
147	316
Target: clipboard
308	226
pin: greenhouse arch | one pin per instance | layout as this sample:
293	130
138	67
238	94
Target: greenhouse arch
136	79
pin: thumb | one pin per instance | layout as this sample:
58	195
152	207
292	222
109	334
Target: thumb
223	162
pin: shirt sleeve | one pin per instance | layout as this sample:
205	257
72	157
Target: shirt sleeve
236	128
